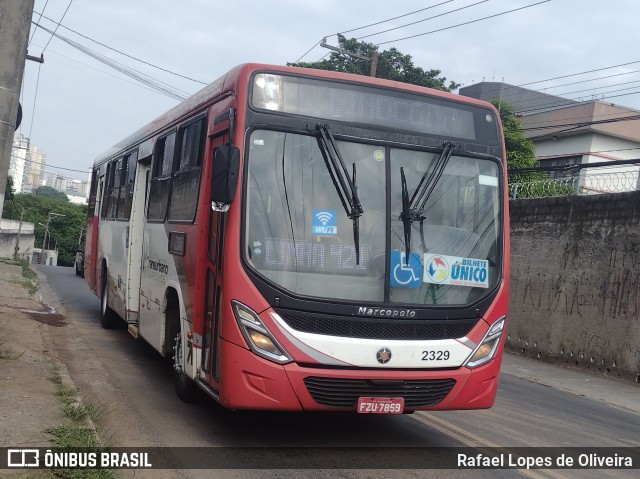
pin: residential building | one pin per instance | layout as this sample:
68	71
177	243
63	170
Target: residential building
76	190
523	100
568	132
17	161
34	169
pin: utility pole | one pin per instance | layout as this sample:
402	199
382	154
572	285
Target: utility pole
373	59
46	232
15	20
15	253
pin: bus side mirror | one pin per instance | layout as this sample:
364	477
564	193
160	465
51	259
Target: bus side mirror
224	176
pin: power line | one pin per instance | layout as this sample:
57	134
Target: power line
588	118
578	166
581	124
504	86
112	63
157	85
550	105
101	71
424	20
394	18
35	99
370	25
563	101
580	73
35	29
128	55
592	79
58	25
307	52
45	165
465	23
605	92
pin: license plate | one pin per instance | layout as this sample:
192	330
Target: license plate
368	405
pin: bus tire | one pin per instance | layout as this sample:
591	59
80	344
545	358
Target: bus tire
185	388
108	317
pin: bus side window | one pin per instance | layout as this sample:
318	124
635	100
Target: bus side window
125	196
106	190
186	179
114	191
92	194
160	178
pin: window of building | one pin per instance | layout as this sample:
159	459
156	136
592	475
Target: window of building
561	161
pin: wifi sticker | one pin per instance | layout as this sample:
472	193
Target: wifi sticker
324	222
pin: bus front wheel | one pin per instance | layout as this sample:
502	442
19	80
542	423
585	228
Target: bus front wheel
185	387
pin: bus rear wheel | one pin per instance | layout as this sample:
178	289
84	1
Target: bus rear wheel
108	318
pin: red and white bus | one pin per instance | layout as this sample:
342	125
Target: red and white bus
308	240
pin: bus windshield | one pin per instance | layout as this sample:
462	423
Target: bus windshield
299	236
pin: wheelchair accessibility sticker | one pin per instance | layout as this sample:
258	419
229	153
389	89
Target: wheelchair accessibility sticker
403	274
324	222
454	270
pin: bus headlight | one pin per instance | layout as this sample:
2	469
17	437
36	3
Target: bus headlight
488	346
257	335
267	91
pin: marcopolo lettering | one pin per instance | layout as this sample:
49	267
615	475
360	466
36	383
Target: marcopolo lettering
387	312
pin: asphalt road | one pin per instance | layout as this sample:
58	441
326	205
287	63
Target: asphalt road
133	385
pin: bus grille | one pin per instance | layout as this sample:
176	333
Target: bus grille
374	328
345	392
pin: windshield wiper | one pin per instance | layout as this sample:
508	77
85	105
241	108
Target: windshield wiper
344	184
413	209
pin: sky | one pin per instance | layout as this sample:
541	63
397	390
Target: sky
75	107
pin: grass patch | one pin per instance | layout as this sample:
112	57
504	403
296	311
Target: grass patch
11	262
29	276
6	353
73	435
28	475
78	432
27	284
27	272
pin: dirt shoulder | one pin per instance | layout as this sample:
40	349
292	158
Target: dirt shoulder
28	405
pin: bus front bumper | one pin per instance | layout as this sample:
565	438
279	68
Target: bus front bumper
250	382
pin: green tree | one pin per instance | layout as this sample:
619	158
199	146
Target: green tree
9	190
64	231
48	192
392	65
521	154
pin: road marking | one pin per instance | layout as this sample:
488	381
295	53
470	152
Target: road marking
472	440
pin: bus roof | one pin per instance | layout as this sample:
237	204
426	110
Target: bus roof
229	83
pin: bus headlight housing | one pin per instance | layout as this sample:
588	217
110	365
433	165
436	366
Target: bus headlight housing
258	337
485	351
268	91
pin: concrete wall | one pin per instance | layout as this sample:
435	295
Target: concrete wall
9	235
575	291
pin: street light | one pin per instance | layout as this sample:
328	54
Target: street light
46	232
